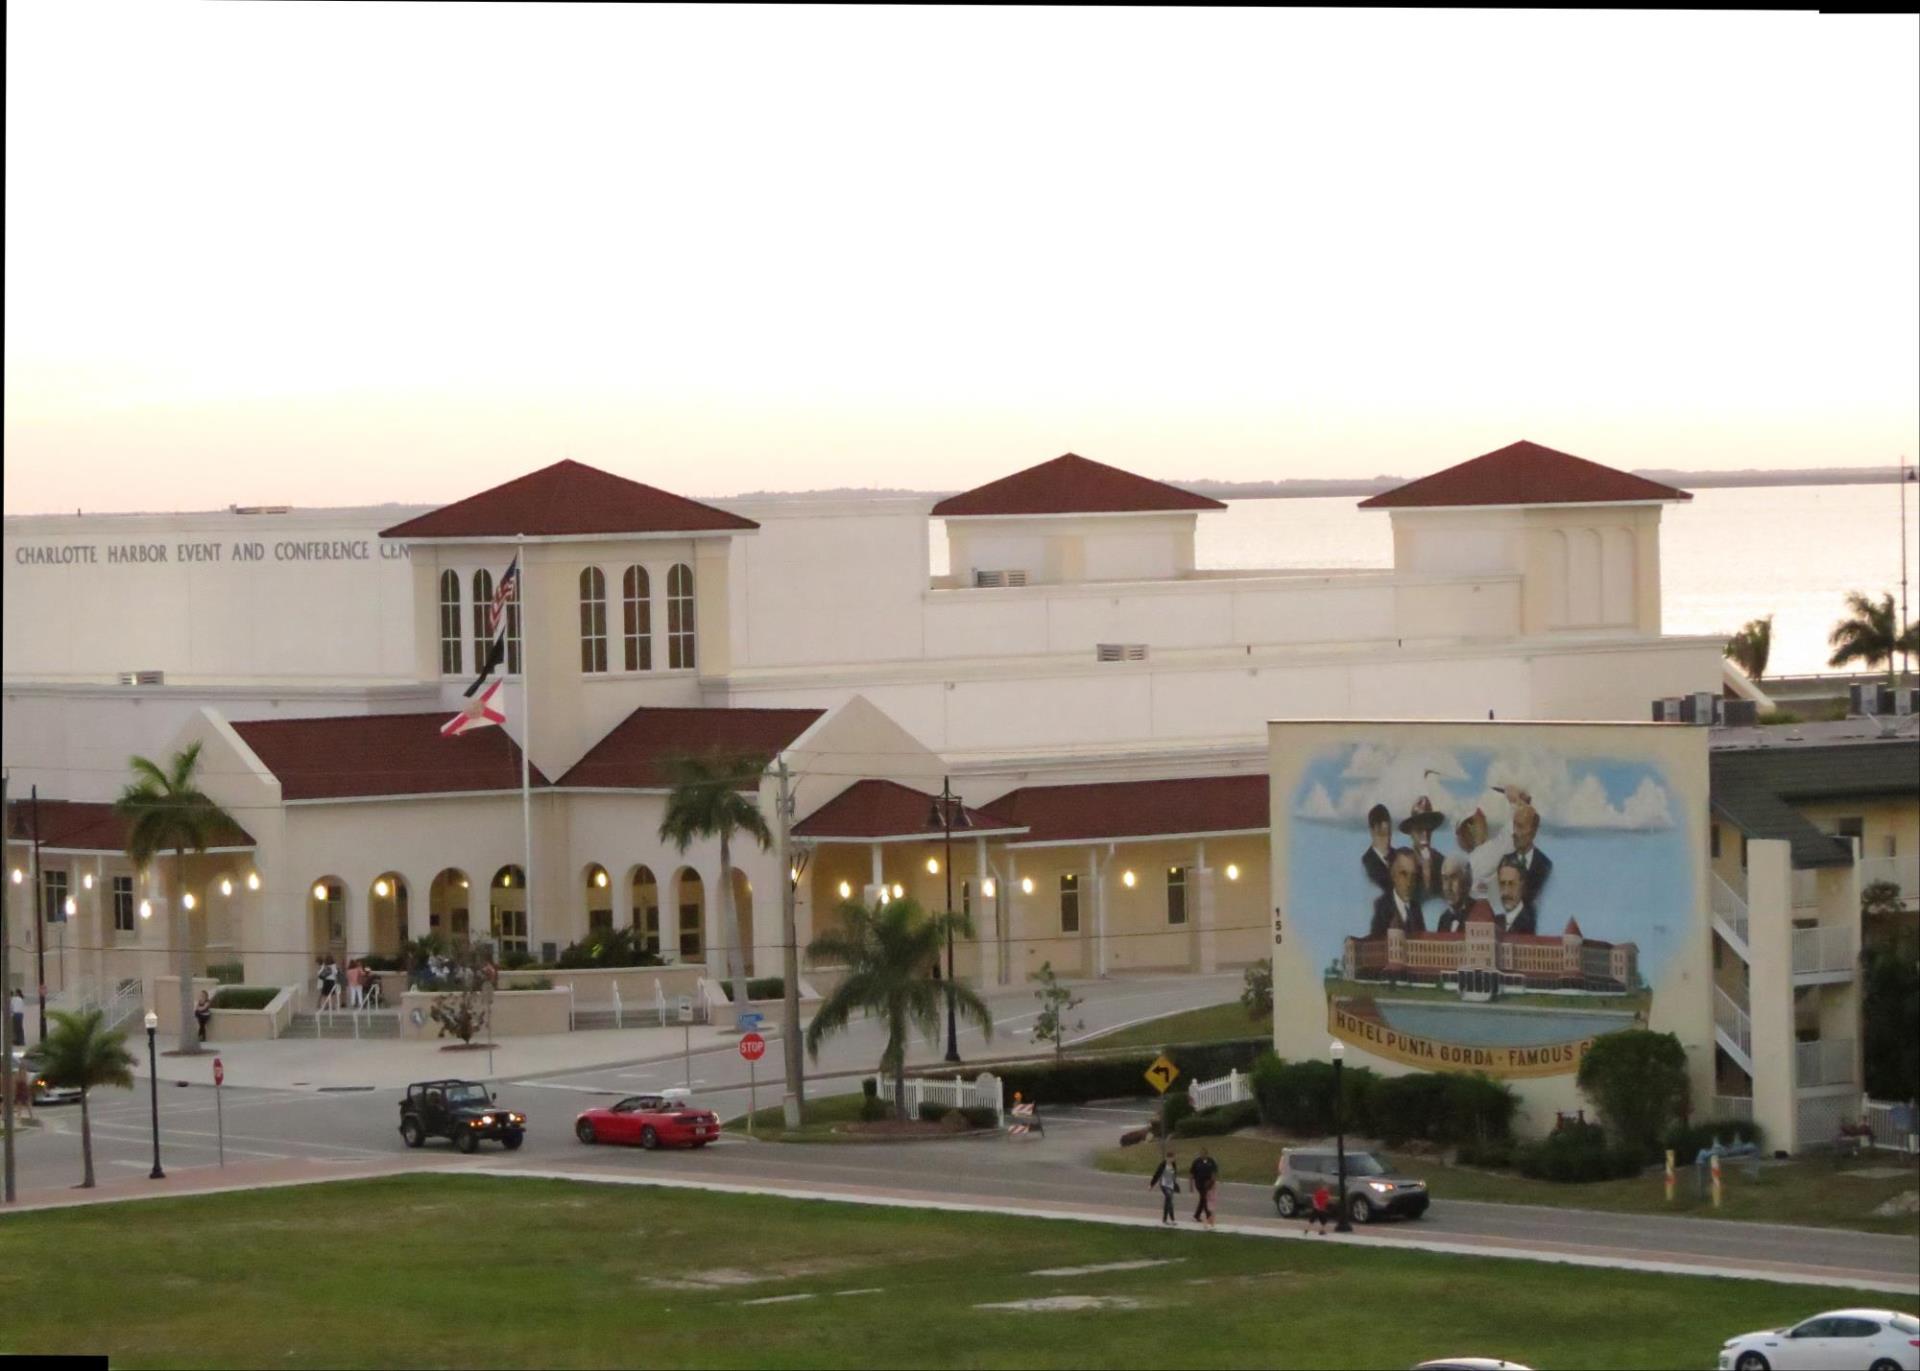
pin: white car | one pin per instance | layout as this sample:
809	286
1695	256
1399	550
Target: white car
1838	1340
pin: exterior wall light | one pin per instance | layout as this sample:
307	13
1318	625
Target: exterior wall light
846	890
146	909
72	907
188	900
381	888
1233	871
988	887
933	866
253	880
506	879
898	890
320	891
600	879
86	881
18	875
1026	885
226	885
1127	878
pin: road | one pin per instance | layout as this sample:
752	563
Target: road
320	1130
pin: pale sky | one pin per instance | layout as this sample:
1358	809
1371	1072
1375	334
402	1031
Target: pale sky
332	254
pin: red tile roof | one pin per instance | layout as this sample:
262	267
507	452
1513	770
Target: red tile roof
1135	809
1525	473
368	755
886	809
1071	485
568	499
636	754
87	826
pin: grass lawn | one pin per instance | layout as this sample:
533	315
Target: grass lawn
466	1271
816	1121
1214	1023
1815	1193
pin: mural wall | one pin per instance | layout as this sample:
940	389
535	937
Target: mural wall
1488	897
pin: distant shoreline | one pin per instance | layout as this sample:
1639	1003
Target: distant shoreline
1309	488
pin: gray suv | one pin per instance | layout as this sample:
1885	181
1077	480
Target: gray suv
1373	1190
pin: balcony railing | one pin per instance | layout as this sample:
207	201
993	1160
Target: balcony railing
1826	948
1826	1061
1730	907
1733	1021
1733	1107
1901	871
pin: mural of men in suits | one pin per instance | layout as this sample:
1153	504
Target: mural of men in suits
1378	858
1534	864
1516	913
1401	902
1456	881
1419	827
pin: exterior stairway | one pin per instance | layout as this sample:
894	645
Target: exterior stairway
346	1023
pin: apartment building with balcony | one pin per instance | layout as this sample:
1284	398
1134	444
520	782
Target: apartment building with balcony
1803	819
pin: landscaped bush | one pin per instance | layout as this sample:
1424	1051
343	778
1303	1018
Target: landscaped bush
979	1116
227	973
1686	1140
1299	1095
1638	1080
1175	1108
244	996
1219	1121
608	947
1079	1079
1498	1155
1431	1106
759	987
1578	1152
872	1107
515	960
537	983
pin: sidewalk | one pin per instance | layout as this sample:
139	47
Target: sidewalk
295	1063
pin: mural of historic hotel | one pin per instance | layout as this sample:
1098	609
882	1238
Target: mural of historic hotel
1518	961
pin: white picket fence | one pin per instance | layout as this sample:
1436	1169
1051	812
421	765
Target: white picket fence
1895	1127
1231	1088
984	1091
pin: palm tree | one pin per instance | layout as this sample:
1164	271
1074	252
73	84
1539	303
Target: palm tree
892	955
707	802
1751	646
80	1052
168	812
1869	636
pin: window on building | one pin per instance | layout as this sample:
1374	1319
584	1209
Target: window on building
636	603
1713	841
513	627
690	945
1070	903
123	904
966	898
450	645
482	604
1176	894
53	886
593	620
1853	827
1744	845
680	617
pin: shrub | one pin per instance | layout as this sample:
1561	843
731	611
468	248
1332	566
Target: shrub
536	983
1890	988
515	960
1492	1154
1479	1109
1219	1121
1299	1095
978	1116
1256	989
1637	1079
759	987
1687	1140
1403	1107
1578	1152
244	996
1175	1109
873	1109
227	973
608	947
1075	1080
931	1112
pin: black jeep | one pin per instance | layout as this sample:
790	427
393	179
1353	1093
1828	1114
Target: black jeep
461	1110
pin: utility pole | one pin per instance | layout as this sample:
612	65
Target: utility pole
39	916
943	817
795	1098
6	992
1900	487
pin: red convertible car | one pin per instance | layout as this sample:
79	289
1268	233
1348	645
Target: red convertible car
651	1121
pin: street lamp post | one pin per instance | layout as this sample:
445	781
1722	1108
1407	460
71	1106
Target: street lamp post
1342	1224
942	817
153	1078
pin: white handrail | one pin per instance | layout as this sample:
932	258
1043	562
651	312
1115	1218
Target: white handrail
1730	1018
1827	947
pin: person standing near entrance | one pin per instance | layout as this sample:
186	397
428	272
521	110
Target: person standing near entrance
17	1007
203	1013
1205	1174
1167	1177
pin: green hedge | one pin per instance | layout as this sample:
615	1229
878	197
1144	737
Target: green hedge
1577	1152
1432	1106
759	987
1686	1140
1219	1121
1077	1080
244	996
227	973
975	1116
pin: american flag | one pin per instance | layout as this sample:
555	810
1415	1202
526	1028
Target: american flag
507	590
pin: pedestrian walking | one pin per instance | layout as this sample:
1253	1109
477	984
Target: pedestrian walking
17	1007
203	1013
1167	1177
1205	1174
1322	1208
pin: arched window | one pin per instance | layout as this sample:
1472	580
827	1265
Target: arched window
482	602
693	915
513	623
599	899
450	623
680	617
646	909
327	916
387	914
593	620
636	600
448	899
507	915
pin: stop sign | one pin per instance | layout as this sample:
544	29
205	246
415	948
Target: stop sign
219	1071
752	1046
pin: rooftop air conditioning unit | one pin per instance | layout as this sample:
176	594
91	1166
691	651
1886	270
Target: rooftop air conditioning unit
1120	652
1907	701
139	678
1739	714
1667	711
999	578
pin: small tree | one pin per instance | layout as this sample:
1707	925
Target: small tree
464	1010
1871	633
707	801
1057	1001
1637	1079
1256	991
1890	1006
1751	646
79	1051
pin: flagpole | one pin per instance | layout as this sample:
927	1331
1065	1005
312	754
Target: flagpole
526	730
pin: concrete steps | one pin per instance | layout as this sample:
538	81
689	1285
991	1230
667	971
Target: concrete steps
373	1023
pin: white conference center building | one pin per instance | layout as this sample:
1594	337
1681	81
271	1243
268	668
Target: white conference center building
1099	702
